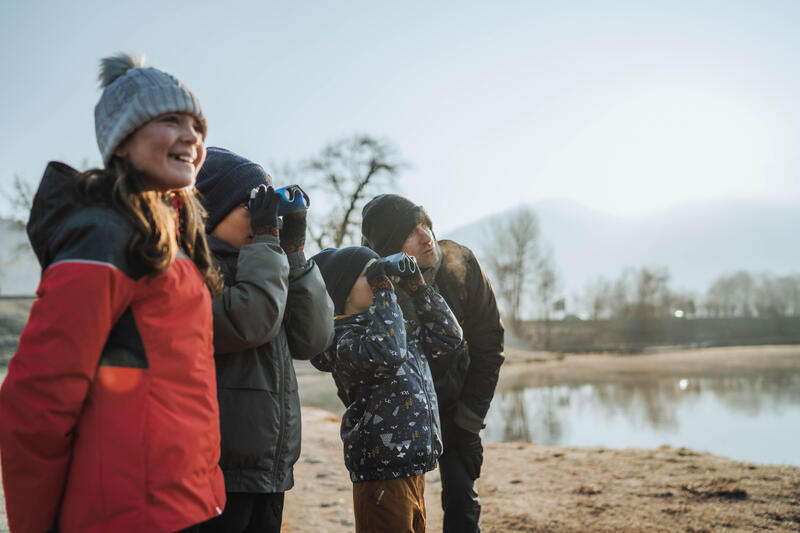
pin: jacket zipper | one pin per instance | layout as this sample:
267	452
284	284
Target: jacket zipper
429	407
281	428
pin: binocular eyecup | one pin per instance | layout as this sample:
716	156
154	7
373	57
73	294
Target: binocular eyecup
292	199
399	264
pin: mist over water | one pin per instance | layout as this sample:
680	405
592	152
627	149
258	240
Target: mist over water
749	417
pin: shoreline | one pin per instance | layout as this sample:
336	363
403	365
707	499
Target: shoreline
529	487
553	369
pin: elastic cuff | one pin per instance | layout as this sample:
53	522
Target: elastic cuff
466	418
266	238
380	282
297	259
420	290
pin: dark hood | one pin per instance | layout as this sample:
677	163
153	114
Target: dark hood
55	201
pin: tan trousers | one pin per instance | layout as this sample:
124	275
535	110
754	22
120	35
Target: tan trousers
391	506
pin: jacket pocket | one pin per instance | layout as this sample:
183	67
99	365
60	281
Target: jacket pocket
250	427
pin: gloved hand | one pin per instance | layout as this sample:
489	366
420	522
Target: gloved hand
470	450
293	234
411	277
263	207
376	275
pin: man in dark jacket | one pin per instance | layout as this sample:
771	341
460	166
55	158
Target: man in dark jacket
274	307
465	378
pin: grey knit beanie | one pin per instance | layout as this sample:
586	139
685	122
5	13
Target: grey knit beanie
133	95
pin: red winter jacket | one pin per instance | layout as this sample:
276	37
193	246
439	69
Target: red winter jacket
108	414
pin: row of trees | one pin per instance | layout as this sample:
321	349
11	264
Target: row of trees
527	285
744	294
645	293
637	293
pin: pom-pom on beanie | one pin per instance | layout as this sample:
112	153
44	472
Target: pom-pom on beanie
340	268
387	220
132	96
225	181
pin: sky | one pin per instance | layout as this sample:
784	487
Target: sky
626	107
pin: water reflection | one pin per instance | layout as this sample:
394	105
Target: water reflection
724	415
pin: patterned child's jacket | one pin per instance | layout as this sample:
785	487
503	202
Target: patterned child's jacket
391	426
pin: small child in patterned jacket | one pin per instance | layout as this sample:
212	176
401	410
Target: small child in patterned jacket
390	429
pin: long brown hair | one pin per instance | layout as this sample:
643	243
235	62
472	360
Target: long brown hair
160	220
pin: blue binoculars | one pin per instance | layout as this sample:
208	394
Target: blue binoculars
293	199
400	264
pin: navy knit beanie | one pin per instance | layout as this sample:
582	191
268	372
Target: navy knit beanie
225	181
387	220
340	268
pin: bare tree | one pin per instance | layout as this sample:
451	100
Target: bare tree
546	287
620	300
20	200
777	296
513	256
596	298
642	293
732	295
653	297
348	172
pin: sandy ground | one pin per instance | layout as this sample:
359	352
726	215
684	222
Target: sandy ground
527	487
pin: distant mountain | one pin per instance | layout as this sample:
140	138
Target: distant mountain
697	243
19	269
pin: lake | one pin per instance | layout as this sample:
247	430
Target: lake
749	417
739	402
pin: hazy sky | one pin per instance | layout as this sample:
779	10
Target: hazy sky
626	107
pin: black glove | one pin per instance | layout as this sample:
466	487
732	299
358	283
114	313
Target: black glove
470	450
293	234
263	208
376	275
402	269
409	274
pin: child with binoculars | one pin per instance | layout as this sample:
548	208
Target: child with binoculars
273	309
390	429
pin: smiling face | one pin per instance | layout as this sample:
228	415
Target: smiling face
421	244
168	150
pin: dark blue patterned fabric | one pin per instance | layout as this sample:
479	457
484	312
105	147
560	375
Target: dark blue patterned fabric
391	426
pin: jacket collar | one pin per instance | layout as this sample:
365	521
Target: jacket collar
430	273
220	247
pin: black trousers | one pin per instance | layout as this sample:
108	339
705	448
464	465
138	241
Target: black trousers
247	513
462	508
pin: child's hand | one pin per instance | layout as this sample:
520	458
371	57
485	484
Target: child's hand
403	270
412	280
376	275
263	208
293	234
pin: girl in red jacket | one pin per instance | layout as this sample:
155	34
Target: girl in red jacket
108	415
